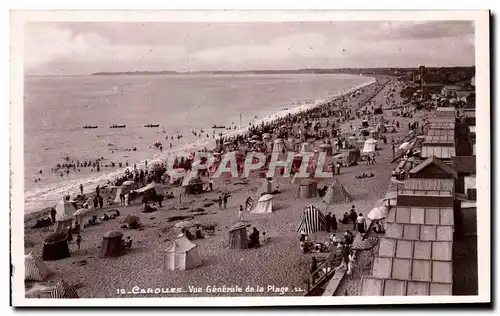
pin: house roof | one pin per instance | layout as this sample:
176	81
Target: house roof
464	164
434	160
444	151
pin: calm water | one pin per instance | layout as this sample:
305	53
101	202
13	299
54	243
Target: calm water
56	108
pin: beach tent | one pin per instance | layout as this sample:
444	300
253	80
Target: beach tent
370	146
111	244
35	268
63	223
152	186
268	186
308	188
264	204
312	220
290	144
336	193
182	255
238	236
278	146
117	196
306	147
55	247
64	208
80	215
63	290
326	148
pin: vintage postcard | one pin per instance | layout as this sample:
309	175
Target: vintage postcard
274	158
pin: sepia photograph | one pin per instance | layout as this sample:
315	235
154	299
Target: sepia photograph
261	155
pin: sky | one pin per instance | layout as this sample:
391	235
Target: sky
85	47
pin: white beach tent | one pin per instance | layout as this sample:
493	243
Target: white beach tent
64	208
370	146
35	268
306	147
278	146
264	205
182	255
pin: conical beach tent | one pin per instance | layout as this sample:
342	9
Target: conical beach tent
64	208
35	268
370	146
182	255
336	193
312	220
264	205
278	146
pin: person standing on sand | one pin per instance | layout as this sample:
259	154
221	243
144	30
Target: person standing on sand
333	222
240	214
353	216
360	220
78	240
337	167
328	220
220	202
81	189
225	200
211	184
373	159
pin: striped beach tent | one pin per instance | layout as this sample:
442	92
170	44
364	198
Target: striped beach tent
312	220
35	268
63	290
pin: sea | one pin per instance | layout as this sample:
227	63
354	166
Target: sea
57	108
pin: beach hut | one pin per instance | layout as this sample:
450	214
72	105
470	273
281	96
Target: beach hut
312	220
336	193
182	255
111	244
305	147
117	196
55	247
238	236
370	146
64	209
279	146
80	215
308	188
35	268
326	148
268	186
264	204
63	223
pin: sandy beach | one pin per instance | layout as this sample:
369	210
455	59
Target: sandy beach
279	266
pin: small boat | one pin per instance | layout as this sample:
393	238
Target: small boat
117	126
90	126
218	126
152	125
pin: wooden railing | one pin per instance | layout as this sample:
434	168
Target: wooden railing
325	270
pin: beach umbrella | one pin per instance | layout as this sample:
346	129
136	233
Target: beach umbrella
127	183
366	244
253	141
255	137
63	290
453	101
378	213
266	136
184	224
